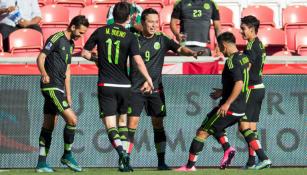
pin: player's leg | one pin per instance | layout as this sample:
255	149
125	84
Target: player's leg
229	151
136	105
257	98
108	105
123	130
198	141
155	107
50	120
70	118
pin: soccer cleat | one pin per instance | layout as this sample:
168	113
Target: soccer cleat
43	168
70	162
249	167
164	167
124	163
264	164
228	156
184	168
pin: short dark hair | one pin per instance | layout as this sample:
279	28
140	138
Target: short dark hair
251	21
227	37
121	12
147	12
78	21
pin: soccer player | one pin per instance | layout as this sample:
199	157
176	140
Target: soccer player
194	17
232	105
255	51
54	65
115	44
153	47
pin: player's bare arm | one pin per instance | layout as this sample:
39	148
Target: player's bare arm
40	64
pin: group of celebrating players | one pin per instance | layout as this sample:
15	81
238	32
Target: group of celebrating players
123	94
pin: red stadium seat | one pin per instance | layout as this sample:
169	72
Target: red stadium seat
273	39
105	2
25	41
55	18
155	4
97	16
294	20
263	13
282	53
44	2
74	6
170	2
301	42
1	44
226	16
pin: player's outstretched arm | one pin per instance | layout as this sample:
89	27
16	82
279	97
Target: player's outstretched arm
40	61
142	68
88	55
234	94
188	52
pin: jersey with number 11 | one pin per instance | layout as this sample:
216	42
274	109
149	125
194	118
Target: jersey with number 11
114	45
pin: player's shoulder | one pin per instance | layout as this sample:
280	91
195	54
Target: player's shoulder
56	37
241	59
163	35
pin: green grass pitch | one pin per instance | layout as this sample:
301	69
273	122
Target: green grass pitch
151	171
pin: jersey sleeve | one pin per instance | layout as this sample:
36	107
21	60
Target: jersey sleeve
177	10
92	41
215	12
237	71
134	46
50	45
251	54
171	44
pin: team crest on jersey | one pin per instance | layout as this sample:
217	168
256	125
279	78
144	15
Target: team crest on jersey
65	104
189	5
206	6
63	48
157	45
129	110
48	46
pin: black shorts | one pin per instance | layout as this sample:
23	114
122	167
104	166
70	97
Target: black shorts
113	100
55	102
214	123
154	104
253	106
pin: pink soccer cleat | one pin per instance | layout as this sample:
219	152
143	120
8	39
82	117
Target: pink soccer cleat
228	156
184	168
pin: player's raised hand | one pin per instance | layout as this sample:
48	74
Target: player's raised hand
217	93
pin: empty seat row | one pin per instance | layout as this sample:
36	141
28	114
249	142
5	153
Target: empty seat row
30	41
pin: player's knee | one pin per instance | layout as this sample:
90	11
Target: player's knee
72	121
243	126
133	122
202	134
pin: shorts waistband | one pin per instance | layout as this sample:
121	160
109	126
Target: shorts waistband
53	89
114	85
257	86
235	114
